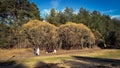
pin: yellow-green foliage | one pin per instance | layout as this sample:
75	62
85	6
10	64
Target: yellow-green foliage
75	36
41	34
69	35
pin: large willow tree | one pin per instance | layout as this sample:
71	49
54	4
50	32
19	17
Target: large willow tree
75	36
67	36
41	34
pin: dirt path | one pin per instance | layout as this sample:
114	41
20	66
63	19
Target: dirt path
69	52
27	53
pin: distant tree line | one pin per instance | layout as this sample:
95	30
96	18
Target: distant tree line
15	14
106	30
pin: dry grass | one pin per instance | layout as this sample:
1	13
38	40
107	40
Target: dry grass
26	56
18	53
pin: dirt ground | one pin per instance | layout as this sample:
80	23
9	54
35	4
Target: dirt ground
27	53
82	59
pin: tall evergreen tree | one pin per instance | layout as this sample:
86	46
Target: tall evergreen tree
61	18
52	17
83	16
14	13
69	15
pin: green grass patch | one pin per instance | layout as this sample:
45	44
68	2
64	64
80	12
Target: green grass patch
114	54
56	58
32	61
50	59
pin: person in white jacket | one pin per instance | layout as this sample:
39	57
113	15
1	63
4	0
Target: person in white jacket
36	51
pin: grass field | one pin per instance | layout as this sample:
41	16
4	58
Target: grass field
94	58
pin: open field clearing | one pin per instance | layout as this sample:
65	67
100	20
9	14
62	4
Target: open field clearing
95	58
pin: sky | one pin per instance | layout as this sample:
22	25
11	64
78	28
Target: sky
108	7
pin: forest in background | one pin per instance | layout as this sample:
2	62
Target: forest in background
15	14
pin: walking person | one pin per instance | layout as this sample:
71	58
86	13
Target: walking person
36	51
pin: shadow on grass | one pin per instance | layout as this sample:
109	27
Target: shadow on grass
46	65
76	64
95	62
98	60
11	64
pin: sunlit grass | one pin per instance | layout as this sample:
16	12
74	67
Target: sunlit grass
53	58
5	54
113	54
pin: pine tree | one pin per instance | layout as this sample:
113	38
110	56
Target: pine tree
69	15
13	14
52	18
83	16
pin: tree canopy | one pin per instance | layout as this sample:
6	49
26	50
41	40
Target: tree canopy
14	14
67	36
